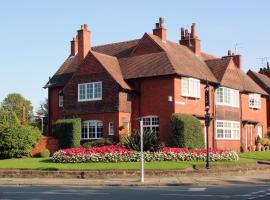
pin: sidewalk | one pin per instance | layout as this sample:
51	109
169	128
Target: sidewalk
260	178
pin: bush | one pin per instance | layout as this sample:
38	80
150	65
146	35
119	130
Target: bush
151	141
98	143
45	153
68	132
7	119
186	131
18	141
120	154
265	141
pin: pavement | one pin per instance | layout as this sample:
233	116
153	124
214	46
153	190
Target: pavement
259	178
239	192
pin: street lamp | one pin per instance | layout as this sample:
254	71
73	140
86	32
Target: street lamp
207	122
142	159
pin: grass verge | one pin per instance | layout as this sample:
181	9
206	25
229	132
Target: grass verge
47	164
256	155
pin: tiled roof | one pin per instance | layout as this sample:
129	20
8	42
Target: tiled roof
231	76
119	49
111	64
260	79
64	73
175	59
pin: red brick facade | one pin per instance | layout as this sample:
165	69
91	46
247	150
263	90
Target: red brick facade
134	92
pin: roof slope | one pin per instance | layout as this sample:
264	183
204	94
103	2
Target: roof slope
229	75
112	66
64	73
174	59
260	79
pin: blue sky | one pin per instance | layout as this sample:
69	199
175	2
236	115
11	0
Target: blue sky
35	35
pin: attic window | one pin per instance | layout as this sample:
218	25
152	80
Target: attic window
254	100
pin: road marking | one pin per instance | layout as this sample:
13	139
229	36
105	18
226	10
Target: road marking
196	189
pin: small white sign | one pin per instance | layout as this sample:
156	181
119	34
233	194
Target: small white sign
180	102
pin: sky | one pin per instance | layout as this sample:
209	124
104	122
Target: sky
35	35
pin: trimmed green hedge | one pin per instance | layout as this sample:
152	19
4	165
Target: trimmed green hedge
68	132
186	131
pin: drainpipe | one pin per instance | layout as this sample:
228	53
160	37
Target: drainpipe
241	130
214	117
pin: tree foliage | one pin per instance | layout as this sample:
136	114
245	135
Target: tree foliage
15	102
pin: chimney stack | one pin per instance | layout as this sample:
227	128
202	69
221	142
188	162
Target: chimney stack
74	46
160	30
191	40
237	59
83	42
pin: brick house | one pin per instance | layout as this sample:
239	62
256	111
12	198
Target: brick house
110	86
263	80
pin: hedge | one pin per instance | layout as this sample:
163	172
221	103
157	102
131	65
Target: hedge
68	132
186	131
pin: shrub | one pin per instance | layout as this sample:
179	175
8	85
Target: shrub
120	154
7	119
97	143
151	141
186	131
68	132
45	153
18	141
265	141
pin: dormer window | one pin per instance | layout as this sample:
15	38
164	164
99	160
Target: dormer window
254	100
190	87
90	91
61	99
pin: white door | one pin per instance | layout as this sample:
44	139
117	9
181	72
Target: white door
260	132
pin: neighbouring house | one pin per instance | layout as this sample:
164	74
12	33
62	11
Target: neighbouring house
111	86
263	80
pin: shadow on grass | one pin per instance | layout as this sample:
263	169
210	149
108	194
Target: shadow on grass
47	160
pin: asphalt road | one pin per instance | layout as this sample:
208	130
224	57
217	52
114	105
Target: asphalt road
239	192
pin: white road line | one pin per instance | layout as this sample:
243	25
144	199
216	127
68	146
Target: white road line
196	189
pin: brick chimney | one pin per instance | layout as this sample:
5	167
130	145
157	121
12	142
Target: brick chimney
83	42
265	70
237	59
74	46
160	30
191	40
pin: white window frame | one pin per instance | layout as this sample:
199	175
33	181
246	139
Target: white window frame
229	127
254	100
87	88
227	96
152	126
190	87
96	123
60	99
111	128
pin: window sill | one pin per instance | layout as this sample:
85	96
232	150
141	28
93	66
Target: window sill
85	100
190	97
231	139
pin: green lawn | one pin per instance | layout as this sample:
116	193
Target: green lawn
257	155
47	164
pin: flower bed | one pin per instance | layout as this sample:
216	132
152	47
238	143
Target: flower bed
114	153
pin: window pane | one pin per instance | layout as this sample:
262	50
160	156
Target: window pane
97	90
99	129
82	91
92	129
84	130
185	86
219	133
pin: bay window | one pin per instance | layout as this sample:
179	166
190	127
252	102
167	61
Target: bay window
92	129
228	130
190	87
254	100
227	96
90	91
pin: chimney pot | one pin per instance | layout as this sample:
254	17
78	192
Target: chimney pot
229	53
182	33
160	31
161	22
193	30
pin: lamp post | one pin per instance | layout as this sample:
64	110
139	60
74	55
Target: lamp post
207	122
142	159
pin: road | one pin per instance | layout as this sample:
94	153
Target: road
239	192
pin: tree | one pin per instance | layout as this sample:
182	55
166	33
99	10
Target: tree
15	102
43	108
